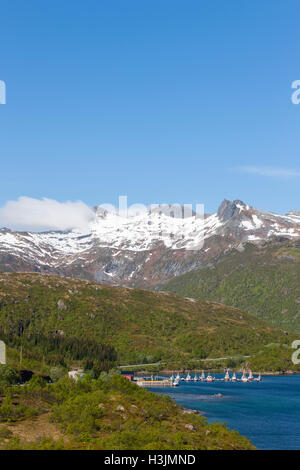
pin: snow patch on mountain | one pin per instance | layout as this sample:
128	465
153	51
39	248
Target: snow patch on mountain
121	248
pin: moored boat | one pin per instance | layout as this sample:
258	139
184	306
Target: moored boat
175	383
209	378
233	378
244	378
226	378
250	376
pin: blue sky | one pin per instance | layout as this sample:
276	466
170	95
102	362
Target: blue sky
164	101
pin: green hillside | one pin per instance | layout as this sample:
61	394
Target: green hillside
61	320
264	282
107	413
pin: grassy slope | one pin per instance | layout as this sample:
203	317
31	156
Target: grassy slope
261	281
140	324
109	413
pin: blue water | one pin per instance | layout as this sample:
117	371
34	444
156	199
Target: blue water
267	412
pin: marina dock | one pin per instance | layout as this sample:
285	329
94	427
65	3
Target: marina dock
155	383
162	382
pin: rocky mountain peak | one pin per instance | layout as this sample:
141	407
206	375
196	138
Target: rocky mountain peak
228	208
146	249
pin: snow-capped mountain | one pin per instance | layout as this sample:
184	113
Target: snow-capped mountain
145	248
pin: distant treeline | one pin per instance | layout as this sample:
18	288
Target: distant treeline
56	349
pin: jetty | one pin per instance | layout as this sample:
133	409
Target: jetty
156	382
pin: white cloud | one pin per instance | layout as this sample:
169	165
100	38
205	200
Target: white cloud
269	171
31	214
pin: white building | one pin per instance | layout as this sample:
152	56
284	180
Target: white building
75	374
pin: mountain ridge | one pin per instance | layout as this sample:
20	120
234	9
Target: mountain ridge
144	249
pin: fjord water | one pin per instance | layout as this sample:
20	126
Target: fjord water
268	413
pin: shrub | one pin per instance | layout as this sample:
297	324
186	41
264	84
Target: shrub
57	373
78	414
10	412
5	433
8	375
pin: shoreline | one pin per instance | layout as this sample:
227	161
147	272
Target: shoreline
218	371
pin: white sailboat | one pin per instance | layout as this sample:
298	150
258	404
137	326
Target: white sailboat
233	378
244	378
258	379
202	376
188	378
175	382
195	378
226	378
250	376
